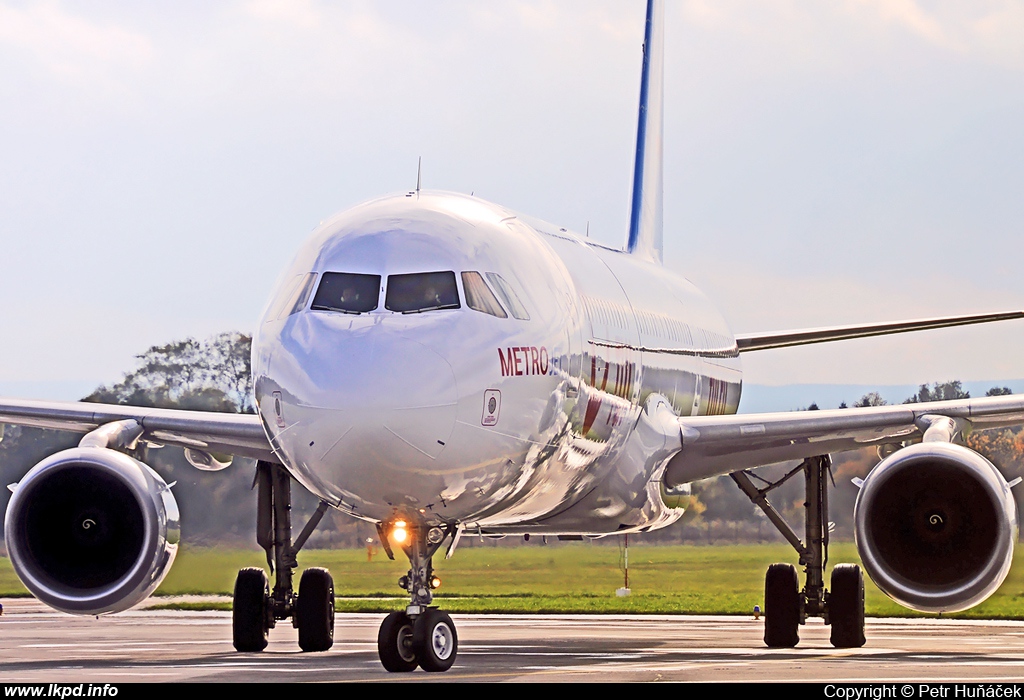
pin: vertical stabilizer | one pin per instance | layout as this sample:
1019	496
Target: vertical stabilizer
645	218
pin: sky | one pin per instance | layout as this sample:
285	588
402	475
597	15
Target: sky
826	163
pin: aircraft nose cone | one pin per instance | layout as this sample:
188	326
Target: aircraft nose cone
393	389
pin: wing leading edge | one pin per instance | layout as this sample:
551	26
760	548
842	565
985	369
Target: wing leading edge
713	445
748	342
231	433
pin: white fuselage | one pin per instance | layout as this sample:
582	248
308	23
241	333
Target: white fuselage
501	424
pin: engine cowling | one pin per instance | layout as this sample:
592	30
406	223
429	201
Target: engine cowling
935	525
90	530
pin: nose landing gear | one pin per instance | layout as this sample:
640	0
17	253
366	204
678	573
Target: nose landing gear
394	643
434	640
422	635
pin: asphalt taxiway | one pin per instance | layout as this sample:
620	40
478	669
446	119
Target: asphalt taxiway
40	645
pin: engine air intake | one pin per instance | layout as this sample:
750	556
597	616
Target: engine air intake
935	526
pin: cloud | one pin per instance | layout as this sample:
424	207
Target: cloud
908	15
999	32
71	47
300	14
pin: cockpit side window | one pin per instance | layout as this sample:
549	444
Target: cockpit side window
296	294
298	302
422	291
508	295
479	296
347	292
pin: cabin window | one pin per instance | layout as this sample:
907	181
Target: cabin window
479	296
424	291
346	292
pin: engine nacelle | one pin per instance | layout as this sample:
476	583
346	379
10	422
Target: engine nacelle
90	531
935	525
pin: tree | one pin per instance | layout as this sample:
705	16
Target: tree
212	375
998	391
233	353
872	398
943	391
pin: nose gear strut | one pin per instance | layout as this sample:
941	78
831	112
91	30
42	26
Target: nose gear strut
422	635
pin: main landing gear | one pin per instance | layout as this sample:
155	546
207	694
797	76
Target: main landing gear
786	607
256	609
422	635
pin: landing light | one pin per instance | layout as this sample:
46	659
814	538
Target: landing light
435	582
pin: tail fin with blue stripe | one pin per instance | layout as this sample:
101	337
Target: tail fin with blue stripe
645	219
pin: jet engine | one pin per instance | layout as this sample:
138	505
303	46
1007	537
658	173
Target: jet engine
935	525
90	530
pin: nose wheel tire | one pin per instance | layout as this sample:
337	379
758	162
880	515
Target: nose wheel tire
846	606
781	606
314	610
395	643
435	640
249	610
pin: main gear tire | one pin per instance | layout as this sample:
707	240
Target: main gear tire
846	607
781	606
314	610
249	626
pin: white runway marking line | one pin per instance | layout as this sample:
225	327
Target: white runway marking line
276	668
810	654
121	644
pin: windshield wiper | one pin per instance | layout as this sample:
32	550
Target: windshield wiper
432	308
321	307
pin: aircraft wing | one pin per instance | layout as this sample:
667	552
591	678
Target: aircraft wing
229	433
748	342
713	445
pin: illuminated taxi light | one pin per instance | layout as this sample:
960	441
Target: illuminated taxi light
435	582
399	534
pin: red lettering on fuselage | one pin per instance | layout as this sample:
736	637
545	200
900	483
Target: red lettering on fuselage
622	375
524	361
506	367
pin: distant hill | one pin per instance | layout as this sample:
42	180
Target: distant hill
759	398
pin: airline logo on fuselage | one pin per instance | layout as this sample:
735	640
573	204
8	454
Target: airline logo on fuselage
524	361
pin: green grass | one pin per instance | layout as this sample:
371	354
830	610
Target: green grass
550	579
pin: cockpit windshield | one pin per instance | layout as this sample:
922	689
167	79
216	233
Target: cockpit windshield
347	292
423	291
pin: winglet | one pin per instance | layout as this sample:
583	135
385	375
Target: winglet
645	218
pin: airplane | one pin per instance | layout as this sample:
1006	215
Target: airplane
439	365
